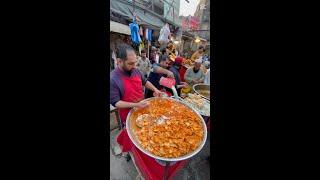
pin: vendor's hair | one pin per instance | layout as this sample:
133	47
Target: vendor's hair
143	51
122	51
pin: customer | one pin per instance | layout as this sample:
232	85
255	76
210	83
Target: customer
154	77
175	70
154	56
198	53
194	75
144	64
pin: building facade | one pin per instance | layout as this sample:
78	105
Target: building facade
203	15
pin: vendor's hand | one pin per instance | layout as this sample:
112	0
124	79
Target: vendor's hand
157	93
182	86
184	83
170	74
141	104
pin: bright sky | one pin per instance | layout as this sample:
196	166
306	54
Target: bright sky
187	9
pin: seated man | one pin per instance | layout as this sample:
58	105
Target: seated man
194	75
198	53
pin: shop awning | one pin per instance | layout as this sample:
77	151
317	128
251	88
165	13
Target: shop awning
126	10
120	8
119	28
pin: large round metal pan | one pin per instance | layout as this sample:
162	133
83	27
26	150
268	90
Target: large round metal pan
130	121
197	87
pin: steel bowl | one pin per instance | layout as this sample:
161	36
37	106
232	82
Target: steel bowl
137	144
197	87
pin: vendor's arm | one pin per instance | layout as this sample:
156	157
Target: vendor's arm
159	70
182	85
150	86
124	104
115	97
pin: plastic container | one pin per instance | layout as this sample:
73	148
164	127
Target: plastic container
186	90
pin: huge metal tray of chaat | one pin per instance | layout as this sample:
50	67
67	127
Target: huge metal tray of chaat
188	124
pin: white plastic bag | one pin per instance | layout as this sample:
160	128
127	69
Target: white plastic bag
164	34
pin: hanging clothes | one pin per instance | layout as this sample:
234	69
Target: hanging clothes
150	31
164	34
134	29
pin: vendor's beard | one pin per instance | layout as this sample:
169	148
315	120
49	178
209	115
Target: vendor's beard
127	71
195	71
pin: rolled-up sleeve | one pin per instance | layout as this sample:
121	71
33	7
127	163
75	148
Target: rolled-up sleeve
115	93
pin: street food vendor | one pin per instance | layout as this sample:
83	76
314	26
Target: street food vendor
126	83
194	75
198	53
126	92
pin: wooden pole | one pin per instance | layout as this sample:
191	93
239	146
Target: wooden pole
152	5
148	51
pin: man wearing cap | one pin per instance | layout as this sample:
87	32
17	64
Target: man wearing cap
198	53
194	75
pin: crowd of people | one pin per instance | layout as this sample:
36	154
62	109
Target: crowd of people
163	62
134	78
